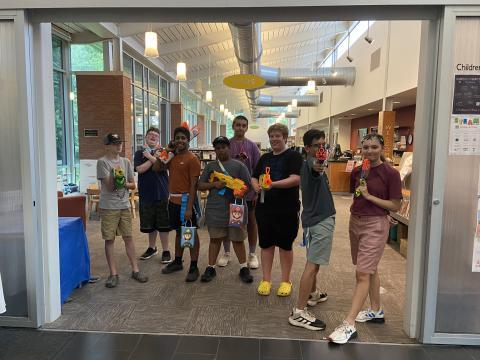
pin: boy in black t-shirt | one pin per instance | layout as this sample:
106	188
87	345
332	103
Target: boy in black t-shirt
277	215
153	195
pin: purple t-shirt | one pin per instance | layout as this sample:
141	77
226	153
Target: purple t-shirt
383	182
250	149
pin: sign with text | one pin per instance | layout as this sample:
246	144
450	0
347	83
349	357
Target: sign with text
466	95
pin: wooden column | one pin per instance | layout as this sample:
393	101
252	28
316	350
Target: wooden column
176	112
386	125
201	127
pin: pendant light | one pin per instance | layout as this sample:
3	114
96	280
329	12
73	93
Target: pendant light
151	44
349	58
181	66
222	107
311	87
294	103
209	94
289	108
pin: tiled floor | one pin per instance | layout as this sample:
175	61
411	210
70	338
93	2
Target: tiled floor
20	344
227	307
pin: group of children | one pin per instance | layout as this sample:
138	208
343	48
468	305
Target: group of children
249	194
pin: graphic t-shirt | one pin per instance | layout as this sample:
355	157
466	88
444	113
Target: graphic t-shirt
182	169
218	206
248	153
116	199
281	167
383	182
152	185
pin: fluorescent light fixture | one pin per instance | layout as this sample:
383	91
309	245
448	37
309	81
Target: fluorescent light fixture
396	102
209	96
311	87
181	71
151	45
294	103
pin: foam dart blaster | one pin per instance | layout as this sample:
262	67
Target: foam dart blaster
118	178
265	182
237	185
321	155
363	175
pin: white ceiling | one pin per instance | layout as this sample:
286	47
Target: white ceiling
208	51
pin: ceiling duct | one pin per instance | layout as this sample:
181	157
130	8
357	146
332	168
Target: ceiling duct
247	42
272	114
299	77
305	100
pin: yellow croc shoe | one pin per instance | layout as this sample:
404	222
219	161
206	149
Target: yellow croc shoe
264	288
285	289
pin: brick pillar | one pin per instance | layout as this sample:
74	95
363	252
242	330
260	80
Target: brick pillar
386	125
104	105
176	112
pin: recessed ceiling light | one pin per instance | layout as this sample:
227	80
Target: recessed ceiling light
370	109
396	102
352	114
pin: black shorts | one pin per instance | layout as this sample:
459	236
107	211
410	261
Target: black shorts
276	229
154	216
174	212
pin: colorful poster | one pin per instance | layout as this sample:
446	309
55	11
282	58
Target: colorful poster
464	135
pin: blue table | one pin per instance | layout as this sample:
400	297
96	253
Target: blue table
74	255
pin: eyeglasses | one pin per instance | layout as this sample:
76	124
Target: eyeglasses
374	136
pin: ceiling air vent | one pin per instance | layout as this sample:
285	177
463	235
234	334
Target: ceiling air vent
375	59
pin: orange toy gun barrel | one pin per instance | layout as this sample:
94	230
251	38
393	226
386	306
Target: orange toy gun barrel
363	175
265	183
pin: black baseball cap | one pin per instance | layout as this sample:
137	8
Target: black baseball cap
221	140
112	139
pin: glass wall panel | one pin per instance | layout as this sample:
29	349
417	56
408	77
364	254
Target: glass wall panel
139	112
87	57
12	240
58	97
127	65
153	82
164	89
153	110
57	51
138	74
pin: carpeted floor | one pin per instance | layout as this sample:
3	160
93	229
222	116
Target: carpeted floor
226	306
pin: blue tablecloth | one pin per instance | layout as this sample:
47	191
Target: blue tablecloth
74	255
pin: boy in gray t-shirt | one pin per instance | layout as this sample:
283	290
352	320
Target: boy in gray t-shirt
221	225
116	175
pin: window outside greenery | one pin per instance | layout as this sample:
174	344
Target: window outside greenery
87	57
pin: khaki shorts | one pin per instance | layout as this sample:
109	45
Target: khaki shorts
115	223
368	236
236	234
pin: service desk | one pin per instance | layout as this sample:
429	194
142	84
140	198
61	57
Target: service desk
74	255
337	176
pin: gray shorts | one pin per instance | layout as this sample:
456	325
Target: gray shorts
319	241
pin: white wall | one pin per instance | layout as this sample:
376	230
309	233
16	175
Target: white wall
260	134
370	85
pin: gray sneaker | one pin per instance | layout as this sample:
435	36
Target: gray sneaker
112	281
139	276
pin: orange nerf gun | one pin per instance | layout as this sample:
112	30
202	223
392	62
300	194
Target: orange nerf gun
237	185
265	182
363	175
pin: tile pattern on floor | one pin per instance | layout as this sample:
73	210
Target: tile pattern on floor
225	306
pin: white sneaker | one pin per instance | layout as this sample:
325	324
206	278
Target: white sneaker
224	259
372	316
253	261
343	333
316	297
304	318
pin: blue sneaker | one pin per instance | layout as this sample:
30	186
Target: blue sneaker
370	315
